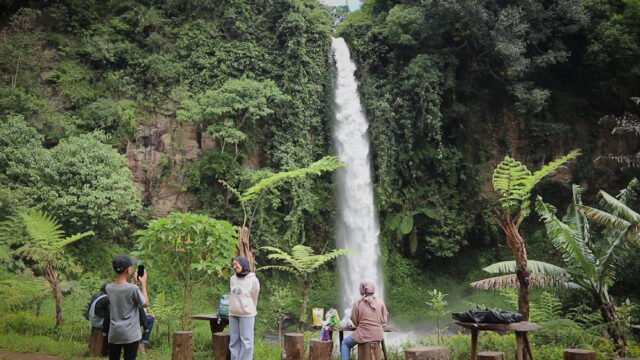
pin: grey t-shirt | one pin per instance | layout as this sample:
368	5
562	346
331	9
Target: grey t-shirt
125	300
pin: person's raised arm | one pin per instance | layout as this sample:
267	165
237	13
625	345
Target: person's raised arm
143	286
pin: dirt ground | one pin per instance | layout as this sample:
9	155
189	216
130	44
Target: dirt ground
10	355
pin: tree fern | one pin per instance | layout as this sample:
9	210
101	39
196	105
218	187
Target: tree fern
327	163
301	262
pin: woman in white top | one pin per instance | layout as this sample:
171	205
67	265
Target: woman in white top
243	303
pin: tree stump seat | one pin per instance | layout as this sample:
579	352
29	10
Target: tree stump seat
320	350
294	346
578	354
490	355
221	342
182	345
97	343
370	351
427	353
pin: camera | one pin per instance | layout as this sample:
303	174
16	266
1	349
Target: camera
140	271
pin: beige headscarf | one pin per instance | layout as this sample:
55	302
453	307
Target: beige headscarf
367	289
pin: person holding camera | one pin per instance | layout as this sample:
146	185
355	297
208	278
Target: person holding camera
126	300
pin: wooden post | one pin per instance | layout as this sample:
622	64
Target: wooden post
182	345
294	346
97	343
474	344
369	351
490	355
221	346
578	354
427	353
320	350
520	351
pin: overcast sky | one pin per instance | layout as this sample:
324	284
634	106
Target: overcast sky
353	4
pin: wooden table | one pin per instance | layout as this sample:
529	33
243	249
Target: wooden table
216	324
520	328
341	331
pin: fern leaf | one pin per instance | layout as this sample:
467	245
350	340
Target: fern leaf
328	163
536	280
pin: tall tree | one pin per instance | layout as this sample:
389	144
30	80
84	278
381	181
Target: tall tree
303	263
39	239
514	184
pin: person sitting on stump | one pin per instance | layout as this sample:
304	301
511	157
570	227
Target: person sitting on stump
369	315
98	316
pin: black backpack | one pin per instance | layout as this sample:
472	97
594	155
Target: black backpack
489	316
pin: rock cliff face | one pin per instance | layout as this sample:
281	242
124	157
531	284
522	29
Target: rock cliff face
158	158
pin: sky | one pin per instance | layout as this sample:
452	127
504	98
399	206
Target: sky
353	4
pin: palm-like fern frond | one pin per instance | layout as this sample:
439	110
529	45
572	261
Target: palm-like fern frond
514	182
550	168
42	228
302	259
509	180
327	163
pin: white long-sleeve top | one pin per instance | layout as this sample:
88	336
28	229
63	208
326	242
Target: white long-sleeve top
243	301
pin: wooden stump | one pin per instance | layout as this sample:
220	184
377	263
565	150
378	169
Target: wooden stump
490	355
427	353
97	343
182	345
294	346
369	351
320	350
221	346
578	354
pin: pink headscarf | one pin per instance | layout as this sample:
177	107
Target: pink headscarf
367	289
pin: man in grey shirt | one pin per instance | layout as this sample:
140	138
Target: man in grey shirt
125	299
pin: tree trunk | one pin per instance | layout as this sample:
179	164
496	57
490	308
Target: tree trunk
616	331
516	243
52	277
305	299
244	249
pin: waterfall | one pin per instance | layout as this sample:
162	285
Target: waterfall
357	224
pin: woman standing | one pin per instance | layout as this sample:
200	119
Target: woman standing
243	303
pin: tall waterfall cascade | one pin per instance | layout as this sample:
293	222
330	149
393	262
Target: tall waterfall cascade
357	224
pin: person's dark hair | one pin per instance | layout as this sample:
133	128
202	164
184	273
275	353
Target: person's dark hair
246	267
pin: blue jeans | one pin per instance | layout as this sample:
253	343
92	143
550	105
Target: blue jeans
345	349
147	332
241	337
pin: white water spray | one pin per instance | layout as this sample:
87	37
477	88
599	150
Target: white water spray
357	224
